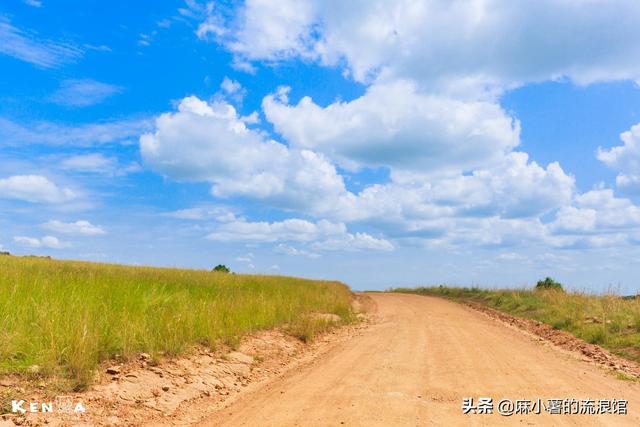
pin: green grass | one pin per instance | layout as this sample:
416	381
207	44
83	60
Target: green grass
66	317
608	320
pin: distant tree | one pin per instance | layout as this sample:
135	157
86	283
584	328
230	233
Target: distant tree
548	283
221	268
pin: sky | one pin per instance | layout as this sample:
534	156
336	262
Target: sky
478	142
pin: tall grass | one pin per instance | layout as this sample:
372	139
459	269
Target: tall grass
66	317
607	320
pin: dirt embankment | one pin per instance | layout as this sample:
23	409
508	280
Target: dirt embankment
175	391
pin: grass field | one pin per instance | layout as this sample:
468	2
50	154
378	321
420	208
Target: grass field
62	318
607	320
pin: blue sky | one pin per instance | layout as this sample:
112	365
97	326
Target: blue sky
378	143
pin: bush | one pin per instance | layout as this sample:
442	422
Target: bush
221	268
548	283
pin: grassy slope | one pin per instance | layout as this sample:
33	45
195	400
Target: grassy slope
607	320
67	317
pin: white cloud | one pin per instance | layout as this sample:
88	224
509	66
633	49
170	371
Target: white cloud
217	213
35	189
264	29
81	227
354	242
84	135
323	235
45	242
233	90
248	258
575	220
98	163
83	92
414	204
210	142
94	162
514	188
394	125
498	201
511	256
33	3
285	249
625	159
445	45
230	86
597	218
27	241
289	230
629	184
145	39
494	232
27	46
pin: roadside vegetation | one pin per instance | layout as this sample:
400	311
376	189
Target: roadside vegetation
608	320
63	318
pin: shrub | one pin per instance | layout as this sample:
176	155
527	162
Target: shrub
221	268
548	283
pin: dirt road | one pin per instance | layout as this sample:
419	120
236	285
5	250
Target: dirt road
416	365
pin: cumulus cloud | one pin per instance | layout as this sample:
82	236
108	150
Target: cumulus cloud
625	159
450	46
394	125
49	242
35	189
596	218
495	232
629	184
83	92
514	188
611	212
429	117
209	142
418	205
264	29
81	227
